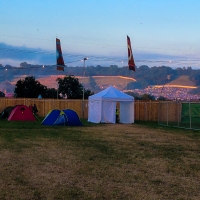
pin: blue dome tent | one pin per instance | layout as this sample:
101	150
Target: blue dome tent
58	117
73	118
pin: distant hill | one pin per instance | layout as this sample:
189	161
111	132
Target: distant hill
182	80
97	83
144	75
93	83
98	77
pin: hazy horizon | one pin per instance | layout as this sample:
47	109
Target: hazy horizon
162	33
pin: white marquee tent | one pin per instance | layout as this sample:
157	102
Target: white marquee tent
102	107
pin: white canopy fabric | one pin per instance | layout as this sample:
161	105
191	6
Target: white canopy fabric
102	106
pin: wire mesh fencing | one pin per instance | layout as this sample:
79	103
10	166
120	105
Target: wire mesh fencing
178	114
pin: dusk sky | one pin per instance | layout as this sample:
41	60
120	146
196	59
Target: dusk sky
162	32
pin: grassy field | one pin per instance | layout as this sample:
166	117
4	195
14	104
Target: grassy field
103	161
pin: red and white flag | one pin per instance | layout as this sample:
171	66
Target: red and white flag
59	57
131	62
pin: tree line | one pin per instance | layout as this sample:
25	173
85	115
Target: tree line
68	87
144	75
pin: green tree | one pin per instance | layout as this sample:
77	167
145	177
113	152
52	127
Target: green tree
71	87
88	93
161	98
29	88
2	94
147	97
135	95
51	93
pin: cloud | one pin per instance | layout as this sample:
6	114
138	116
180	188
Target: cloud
14	55
174	61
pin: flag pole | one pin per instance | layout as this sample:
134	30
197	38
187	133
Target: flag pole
59	59
128	80
83	105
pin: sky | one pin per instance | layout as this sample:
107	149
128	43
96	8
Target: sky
162	32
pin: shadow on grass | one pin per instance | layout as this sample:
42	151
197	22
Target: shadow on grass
16	135
175	130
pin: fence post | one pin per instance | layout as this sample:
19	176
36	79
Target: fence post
43	107
145	118
167	113
83	109
139	103
178	112
158	112
190	115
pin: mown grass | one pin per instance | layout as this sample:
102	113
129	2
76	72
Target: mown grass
98	161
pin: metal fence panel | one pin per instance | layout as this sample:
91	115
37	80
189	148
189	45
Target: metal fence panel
169	113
